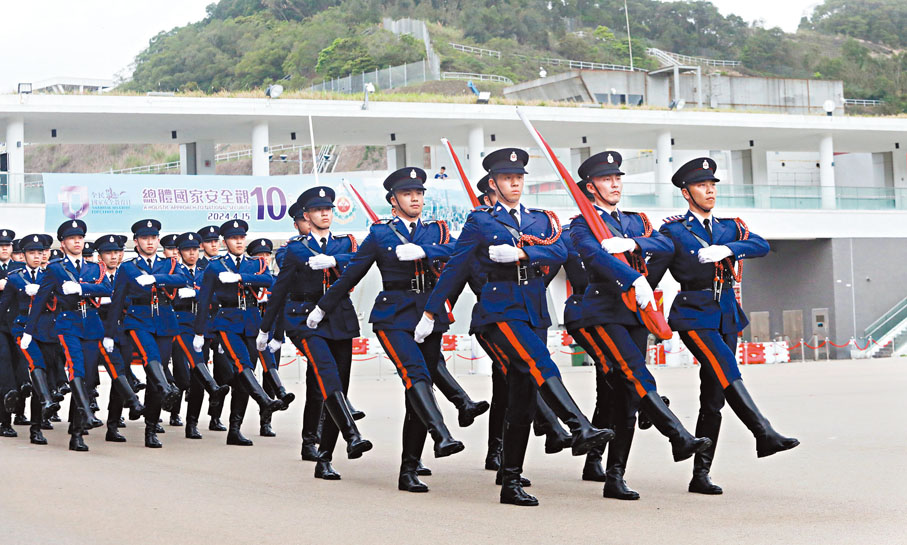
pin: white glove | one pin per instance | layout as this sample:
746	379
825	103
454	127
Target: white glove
714	253
31	289
220	349
617	245
261	341
198	343
145	279
107	343
320	262
72	288
3	284
25	341
104	301
186	293
274	345
410	252
315	317
504	253
424	328
644	294
228	277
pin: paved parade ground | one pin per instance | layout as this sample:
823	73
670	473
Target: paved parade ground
846	483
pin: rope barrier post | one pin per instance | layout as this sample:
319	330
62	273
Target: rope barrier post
827	350
816	349
802	351
745	356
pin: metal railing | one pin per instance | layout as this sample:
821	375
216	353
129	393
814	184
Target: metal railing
480	51
579	65
225	156
387	78
889	327
480	77
668	56
862	102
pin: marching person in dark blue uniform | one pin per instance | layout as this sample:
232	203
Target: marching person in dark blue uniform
21	287
614	336
311	412
122	393
73	284
230	283
405	249
269	356
706	314
210	244
310	264
141	291
14	383
190	369
510	245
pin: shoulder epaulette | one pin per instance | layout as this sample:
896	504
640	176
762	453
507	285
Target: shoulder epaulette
673	219
216	258
481	208
55	260
20	272
353	245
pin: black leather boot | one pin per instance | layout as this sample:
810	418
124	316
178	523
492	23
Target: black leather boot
216	425
238	404
644	421
76	443
768	441
113	434
175	419
192	428
324	469
170	395
42	391
585	436
545	423
280	392
618	452
266	405
11	401
467	408
516	437
422	400
121	423
82	400
265	429
340	414
216	392
592	469
46	425
309	450
414	432
128	397
683	445
493	456
499	479
708	425
422	471
35	436
151	440
357	414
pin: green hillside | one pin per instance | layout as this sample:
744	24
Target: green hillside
248	44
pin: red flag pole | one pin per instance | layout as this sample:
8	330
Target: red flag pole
453	157
368	209
651	317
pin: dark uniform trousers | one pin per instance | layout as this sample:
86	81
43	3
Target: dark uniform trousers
330	362
151	347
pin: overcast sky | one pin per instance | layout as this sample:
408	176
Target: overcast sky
99	38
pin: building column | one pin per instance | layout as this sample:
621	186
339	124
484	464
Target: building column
261	150
664	189
413	154
899	177
761	189
15	155
396	156
827	171
475	153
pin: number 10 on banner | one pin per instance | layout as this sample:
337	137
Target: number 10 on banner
273	200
